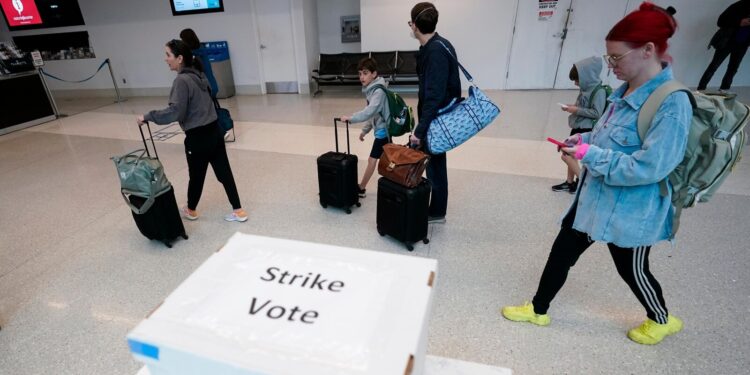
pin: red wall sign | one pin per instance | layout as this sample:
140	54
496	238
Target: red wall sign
21	12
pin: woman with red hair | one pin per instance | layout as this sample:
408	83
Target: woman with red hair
618	201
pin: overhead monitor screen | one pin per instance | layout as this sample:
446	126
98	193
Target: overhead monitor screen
38	14
181	7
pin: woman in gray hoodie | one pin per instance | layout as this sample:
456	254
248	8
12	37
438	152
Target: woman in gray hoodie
190	104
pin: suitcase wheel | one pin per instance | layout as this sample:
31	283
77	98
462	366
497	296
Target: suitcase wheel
185	236
168	244
409	247
348	211
359	204
426	241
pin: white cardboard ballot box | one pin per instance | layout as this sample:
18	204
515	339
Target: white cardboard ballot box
269	306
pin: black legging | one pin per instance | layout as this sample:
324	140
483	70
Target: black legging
631	263
204	145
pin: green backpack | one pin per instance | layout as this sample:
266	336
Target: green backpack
401	119
714	145
607	90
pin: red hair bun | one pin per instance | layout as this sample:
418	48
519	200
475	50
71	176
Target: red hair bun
649	23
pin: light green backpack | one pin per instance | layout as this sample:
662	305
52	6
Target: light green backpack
142	176
714	145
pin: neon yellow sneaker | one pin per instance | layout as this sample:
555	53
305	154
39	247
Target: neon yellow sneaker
651	332
525	313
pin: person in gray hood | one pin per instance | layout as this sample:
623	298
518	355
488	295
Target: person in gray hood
191	105
589	106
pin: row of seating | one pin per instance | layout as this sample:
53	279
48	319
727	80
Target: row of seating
397	67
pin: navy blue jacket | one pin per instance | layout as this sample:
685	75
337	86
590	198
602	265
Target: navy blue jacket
207	70
439	82
730	19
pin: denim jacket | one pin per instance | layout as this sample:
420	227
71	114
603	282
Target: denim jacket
619	200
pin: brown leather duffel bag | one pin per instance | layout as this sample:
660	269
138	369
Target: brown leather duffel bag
402	165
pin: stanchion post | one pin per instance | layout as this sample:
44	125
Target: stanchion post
114	81
49	94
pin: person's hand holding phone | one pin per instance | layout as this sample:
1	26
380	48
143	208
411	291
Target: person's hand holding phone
571	109
558	143
569	145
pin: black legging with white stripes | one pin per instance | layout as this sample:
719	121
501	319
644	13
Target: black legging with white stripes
631	263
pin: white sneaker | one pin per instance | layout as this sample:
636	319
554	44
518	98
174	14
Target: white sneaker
238	215
189	214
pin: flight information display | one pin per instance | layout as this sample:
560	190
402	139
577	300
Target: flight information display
180	7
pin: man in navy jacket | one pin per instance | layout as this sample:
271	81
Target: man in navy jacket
439	83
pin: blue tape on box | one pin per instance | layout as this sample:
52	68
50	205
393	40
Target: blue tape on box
144	349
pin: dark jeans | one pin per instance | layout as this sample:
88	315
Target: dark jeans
631	264
735	53
205	145
437	173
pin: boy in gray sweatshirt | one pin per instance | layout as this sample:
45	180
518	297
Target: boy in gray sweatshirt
375	114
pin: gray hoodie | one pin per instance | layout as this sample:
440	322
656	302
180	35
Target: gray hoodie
589	70
376	111
190	103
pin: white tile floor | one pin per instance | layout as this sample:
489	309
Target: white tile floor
76	276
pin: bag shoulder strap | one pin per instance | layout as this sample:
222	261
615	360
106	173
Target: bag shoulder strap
600	86
593	93
387	97
651	106
213	98
380	86
463	70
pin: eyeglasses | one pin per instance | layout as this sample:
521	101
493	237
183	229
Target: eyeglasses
612	60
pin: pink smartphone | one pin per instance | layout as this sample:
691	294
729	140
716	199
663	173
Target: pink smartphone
555	141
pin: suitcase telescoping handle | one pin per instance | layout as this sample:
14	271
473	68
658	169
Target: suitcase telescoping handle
336	133
151	137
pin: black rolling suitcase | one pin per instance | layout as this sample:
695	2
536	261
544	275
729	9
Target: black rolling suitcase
162	220
402	211
337	176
